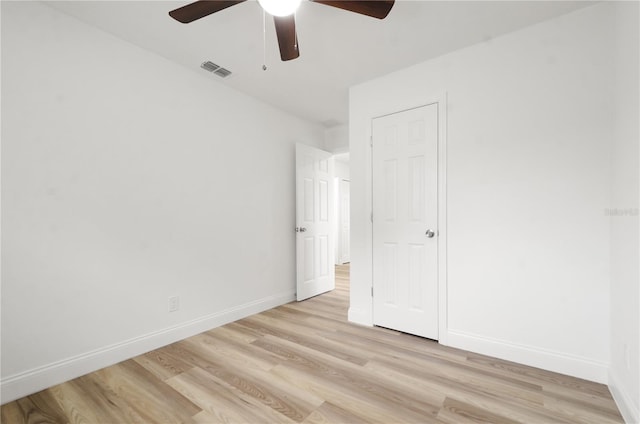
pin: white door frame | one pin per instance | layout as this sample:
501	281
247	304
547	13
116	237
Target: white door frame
441	100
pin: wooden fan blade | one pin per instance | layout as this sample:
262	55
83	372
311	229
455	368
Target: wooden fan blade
376	8
287	38
200	9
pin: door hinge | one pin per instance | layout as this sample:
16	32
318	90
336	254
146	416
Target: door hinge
371	141
371	217
371	291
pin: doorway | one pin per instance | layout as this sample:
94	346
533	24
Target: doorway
344	240
342	209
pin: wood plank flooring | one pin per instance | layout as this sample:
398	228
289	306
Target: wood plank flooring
304	363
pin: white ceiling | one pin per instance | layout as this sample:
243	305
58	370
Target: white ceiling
338	49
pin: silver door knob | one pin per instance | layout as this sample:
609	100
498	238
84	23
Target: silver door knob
430	233
300	229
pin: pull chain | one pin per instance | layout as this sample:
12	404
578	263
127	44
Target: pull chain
264	40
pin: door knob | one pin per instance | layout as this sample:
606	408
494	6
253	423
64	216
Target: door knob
430	233
300	229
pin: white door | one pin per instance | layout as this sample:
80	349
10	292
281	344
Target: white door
344	227
314	241
405	221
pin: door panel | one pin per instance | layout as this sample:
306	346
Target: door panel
405	263
314	241
389	279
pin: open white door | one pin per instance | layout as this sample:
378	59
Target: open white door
314	239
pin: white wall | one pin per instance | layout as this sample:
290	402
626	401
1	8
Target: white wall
528	173
624	378
125	180
336	139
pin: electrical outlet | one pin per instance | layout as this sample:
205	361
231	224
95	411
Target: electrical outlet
174	303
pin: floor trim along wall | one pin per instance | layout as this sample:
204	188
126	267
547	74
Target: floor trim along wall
629	412
563	363
32	381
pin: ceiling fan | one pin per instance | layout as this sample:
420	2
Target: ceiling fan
283	16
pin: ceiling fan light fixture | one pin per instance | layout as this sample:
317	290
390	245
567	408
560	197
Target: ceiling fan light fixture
279	7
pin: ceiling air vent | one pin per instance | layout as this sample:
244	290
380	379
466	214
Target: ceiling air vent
209	66
221	72
216	69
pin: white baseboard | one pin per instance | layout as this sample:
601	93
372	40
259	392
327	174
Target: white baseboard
29	382
358	316
629	411
559	362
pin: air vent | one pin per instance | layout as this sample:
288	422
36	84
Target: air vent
209	66
221	72
216	69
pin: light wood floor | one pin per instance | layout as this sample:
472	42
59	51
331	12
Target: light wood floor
304	363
